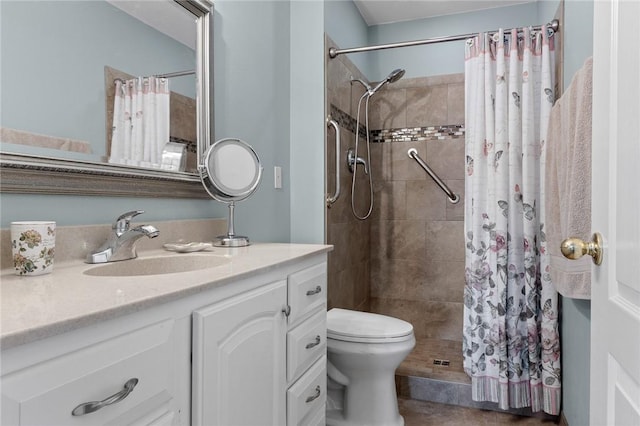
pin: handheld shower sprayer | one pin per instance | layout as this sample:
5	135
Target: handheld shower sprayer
391	78
353	159
394	76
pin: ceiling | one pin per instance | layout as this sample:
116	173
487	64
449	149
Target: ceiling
377	12
171	19
166	16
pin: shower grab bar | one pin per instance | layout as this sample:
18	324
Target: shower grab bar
336	194
453	198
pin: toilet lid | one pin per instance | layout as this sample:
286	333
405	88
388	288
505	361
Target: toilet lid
344	324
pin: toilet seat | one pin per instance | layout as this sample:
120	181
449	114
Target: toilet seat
365	327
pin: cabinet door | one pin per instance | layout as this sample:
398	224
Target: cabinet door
239	359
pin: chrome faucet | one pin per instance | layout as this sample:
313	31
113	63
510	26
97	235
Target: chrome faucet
121	243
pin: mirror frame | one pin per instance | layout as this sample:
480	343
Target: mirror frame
31	174
211	182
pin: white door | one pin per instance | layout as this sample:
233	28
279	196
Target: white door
239	360
615	292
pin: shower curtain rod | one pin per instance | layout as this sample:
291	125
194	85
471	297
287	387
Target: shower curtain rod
175	74
168	75
333	52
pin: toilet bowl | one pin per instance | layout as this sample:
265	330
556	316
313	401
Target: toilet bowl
364	351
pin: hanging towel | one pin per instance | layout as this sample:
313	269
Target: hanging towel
568	183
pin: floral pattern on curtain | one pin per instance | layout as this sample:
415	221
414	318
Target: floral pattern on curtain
511	344
140	121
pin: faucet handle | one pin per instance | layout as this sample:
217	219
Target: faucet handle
122	223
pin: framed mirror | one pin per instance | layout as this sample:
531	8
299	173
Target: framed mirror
61	63
230	171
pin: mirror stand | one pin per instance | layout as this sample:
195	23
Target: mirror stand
231	171
231	239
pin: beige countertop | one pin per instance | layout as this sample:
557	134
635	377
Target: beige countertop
36	307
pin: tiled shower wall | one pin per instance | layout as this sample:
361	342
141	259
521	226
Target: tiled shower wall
348	263
407	259
417	235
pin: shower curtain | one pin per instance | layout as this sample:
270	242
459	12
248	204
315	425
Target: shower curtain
511	344
140	121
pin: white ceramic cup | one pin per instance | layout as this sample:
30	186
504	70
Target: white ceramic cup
33	245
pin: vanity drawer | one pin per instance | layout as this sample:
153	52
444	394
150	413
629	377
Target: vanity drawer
305	344
308	395
48	392
307	291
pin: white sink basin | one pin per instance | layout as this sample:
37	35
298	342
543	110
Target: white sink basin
157	265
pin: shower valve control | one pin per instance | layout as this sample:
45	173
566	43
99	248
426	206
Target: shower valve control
353	161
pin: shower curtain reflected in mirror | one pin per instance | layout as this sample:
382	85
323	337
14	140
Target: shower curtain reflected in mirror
140	122
511	345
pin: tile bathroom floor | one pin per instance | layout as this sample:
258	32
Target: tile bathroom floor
420	362
424	413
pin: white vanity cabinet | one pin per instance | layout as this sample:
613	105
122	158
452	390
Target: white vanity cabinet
250	350
259	357
43	382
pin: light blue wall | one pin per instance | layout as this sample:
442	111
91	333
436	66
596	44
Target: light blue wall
576	339
439	58
547	9
87	210
251	73
346	27
576	314
307	121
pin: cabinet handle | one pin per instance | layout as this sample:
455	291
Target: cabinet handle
316	343
316	290
90	407
314	397
286	310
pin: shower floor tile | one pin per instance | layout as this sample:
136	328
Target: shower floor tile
420	362
424	413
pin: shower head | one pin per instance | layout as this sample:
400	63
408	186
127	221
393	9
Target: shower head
391	78
395	75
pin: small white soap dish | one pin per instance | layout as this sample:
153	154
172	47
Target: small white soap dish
187	247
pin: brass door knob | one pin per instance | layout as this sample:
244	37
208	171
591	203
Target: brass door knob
575	248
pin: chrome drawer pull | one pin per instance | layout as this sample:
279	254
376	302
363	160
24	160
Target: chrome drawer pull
316	290
314	344
316	396
90	407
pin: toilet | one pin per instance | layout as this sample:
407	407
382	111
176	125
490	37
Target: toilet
364	350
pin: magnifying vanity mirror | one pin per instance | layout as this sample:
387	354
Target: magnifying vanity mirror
61	62
230	172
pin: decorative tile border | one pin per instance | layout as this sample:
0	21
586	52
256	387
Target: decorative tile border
346	121
449	131
452	131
